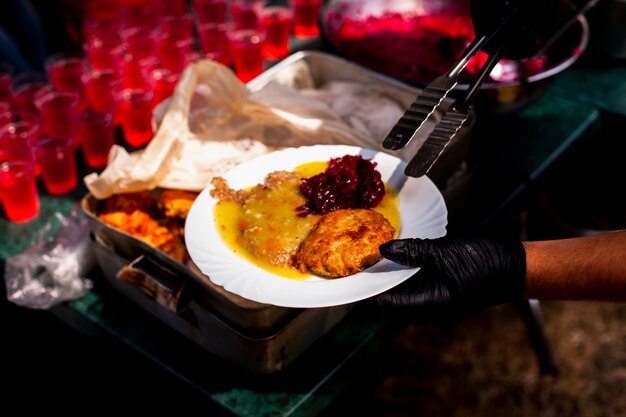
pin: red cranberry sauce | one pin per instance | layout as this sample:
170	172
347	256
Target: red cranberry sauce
348	182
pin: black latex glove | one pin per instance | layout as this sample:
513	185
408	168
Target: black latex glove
458	277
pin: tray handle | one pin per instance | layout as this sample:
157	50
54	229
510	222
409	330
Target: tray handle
157	281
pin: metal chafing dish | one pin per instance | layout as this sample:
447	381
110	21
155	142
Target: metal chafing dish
257	337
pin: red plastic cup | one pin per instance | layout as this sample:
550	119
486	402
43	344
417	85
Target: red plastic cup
213	39
58	113
134	66
138	41
97	136
246	47
100	50
276	20
305	17
173	52
20	133
209	11
139	14
65	72
57	159
135	109
245	14
100	88
24	95
31	117
163	83
177	27
18	184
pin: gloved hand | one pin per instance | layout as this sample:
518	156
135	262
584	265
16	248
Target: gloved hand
458	277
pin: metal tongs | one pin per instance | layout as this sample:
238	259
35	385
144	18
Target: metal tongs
413	122
500	29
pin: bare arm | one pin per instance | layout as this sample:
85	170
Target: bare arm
585	268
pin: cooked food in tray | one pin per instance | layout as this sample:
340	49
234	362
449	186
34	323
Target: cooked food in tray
175	204
158	221
326	218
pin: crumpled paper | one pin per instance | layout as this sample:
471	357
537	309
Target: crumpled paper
213	122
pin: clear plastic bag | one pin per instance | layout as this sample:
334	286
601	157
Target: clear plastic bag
52	269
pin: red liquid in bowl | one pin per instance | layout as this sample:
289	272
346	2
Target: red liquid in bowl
413	47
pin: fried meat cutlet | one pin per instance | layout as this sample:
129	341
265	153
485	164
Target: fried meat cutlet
344	242
176	203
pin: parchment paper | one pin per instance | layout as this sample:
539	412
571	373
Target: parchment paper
213	122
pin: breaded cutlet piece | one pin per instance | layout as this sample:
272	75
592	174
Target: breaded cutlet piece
344	242
176	203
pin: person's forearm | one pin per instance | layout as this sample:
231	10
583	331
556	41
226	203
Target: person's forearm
587	268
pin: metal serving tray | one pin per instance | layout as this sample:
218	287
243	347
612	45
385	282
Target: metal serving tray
267	353
245	315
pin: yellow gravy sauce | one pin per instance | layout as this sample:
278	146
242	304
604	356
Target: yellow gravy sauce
229	214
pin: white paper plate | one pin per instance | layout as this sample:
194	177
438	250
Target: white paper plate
423	214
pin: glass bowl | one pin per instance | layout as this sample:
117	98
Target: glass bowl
417	40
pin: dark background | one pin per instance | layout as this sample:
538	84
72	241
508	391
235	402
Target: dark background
482	366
